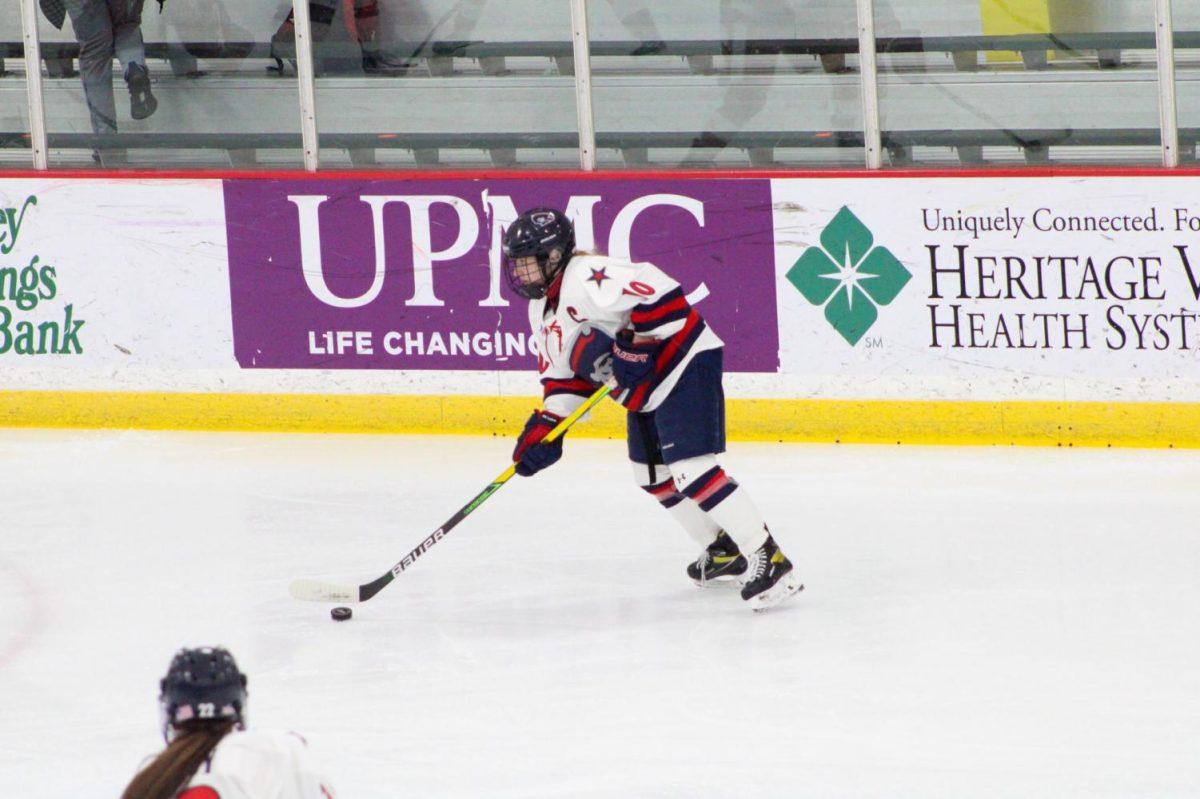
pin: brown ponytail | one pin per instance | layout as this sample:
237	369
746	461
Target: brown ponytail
168	773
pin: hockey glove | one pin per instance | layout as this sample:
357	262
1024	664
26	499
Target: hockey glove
633	362
531	455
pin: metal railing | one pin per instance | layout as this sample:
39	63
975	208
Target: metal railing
868	82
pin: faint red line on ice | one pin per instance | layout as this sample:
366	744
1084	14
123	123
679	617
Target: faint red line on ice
32	618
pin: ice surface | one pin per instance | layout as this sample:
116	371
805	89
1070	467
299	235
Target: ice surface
978	622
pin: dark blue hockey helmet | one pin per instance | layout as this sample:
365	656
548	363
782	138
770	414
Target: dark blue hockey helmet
202	684
548	236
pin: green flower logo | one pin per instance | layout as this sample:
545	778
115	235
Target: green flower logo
847	276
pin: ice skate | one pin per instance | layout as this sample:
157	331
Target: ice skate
720	562
770	578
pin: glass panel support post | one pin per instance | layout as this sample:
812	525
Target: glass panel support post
304	73
1165	50
33	84
869	83
583	85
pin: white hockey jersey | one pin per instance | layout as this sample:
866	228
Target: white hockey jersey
255	764
596	298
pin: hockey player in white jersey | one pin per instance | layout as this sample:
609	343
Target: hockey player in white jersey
596	317
210	754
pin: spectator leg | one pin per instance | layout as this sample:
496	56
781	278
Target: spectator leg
366	32
833	63
1036	153
127	31
93	30
183	64
59	67
899	154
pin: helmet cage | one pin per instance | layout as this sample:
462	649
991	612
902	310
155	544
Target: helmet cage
537	233
533	291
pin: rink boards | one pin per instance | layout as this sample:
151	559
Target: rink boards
1031	307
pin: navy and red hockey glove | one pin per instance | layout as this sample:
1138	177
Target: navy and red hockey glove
532	455
633	362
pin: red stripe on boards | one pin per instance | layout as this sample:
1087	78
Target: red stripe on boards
602	175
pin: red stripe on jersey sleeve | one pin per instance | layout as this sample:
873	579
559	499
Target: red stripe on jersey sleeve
573	386
581	344
640	316
676	341
638	398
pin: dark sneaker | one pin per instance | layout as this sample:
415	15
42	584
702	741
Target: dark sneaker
769	577
720	561
376	64
141	100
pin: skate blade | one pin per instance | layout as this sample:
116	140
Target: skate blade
727	581
790	584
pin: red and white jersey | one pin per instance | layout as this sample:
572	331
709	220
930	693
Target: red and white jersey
253	764
598	294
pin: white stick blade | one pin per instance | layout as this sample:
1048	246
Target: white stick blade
317	591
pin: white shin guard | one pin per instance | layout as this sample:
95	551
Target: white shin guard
735	512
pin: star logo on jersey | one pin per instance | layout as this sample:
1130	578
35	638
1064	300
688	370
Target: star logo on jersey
598	276
849	276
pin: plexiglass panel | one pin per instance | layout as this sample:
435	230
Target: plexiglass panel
1187	78
444	83
1053	81
138	84
15	149
697	83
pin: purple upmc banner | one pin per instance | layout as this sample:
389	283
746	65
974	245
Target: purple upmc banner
405	274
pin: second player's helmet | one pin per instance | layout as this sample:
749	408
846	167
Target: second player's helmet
202	684
539	232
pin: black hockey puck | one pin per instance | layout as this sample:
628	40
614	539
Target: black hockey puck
341	614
